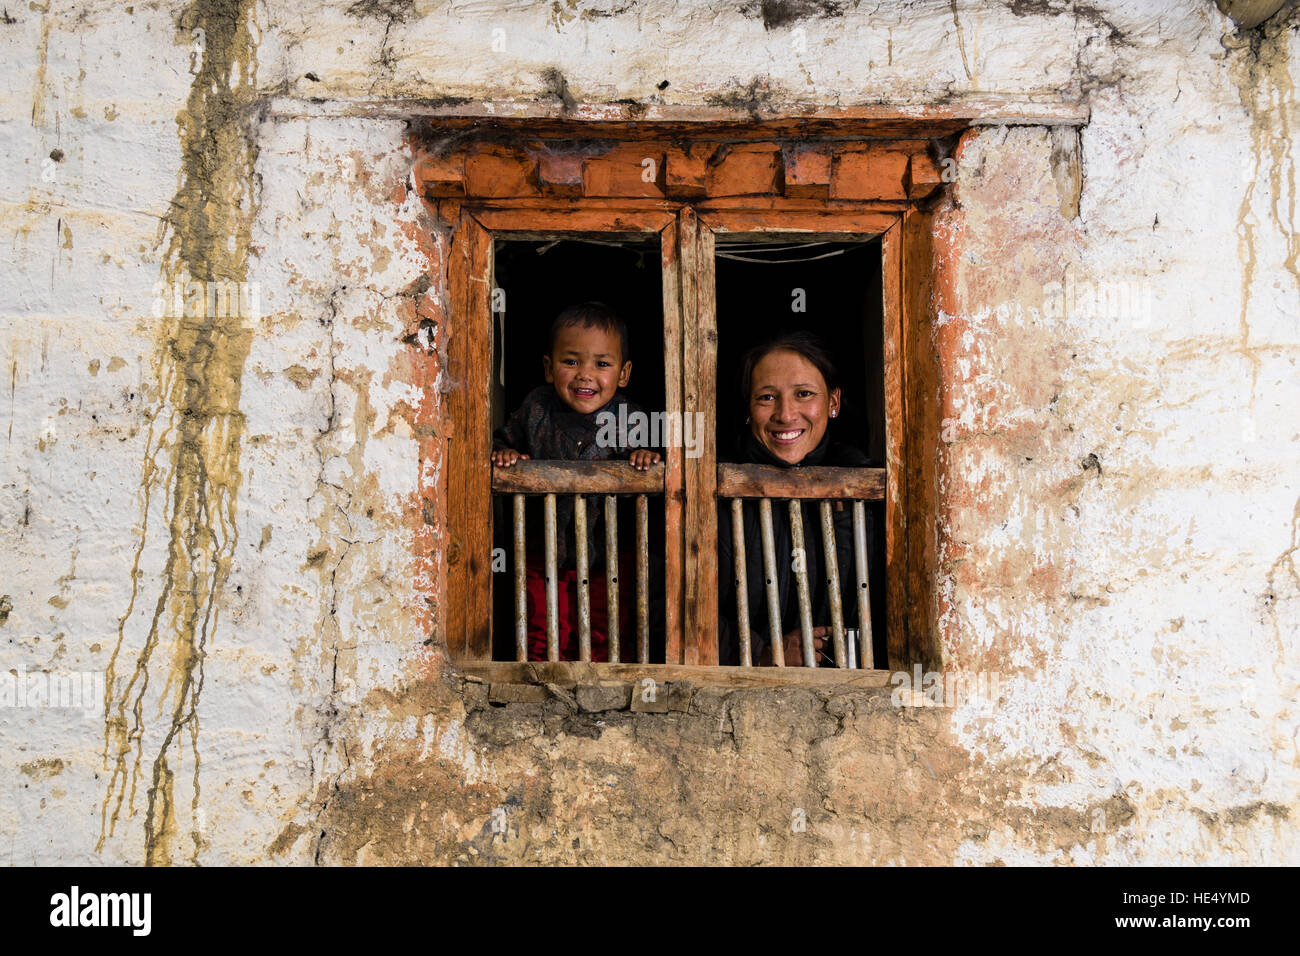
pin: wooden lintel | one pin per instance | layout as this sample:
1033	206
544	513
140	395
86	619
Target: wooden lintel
545	219
922	176
807	170
499	171
864	221
439	176
687	170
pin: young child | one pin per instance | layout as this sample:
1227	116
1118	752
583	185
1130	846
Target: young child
585	366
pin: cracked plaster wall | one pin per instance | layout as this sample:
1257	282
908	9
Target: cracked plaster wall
1119	498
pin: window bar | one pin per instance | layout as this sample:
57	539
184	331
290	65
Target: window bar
864	593
833	584
611	576
584	580
552	602
742	579
769	573
521	582
801	581
642	580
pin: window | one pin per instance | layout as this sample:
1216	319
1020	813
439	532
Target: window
692	208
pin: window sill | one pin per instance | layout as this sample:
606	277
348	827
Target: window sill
569	674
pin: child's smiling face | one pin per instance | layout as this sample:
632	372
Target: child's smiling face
586	366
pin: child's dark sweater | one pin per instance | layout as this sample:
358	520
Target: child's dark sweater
543	427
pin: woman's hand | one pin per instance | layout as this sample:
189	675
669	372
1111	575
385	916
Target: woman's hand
642	459
505	457
794	646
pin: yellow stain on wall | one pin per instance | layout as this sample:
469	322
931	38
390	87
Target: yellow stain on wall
191	461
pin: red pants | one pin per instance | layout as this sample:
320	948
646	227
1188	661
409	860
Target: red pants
566	587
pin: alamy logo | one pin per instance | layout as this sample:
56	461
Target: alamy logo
207	300
39	689
1121	301
102	909
939	689
655	430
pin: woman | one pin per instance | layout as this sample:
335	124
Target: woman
791	391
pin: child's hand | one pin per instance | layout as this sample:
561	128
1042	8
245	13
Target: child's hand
505	457
643	458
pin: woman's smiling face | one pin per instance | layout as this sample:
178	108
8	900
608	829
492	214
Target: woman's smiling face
790	405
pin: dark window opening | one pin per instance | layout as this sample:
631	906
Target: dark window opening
540	279
838	286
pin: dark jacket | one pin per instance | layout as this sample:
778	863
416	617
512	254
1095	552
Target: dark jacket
543	427
829	454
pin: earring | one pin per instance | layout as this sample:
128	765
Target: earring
834	413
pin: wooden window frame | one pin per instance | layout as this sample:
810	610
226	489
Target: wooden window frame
687	231
468	600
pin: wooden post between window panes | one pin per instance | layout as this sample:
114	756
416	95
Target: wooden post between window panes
700	361
674	267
